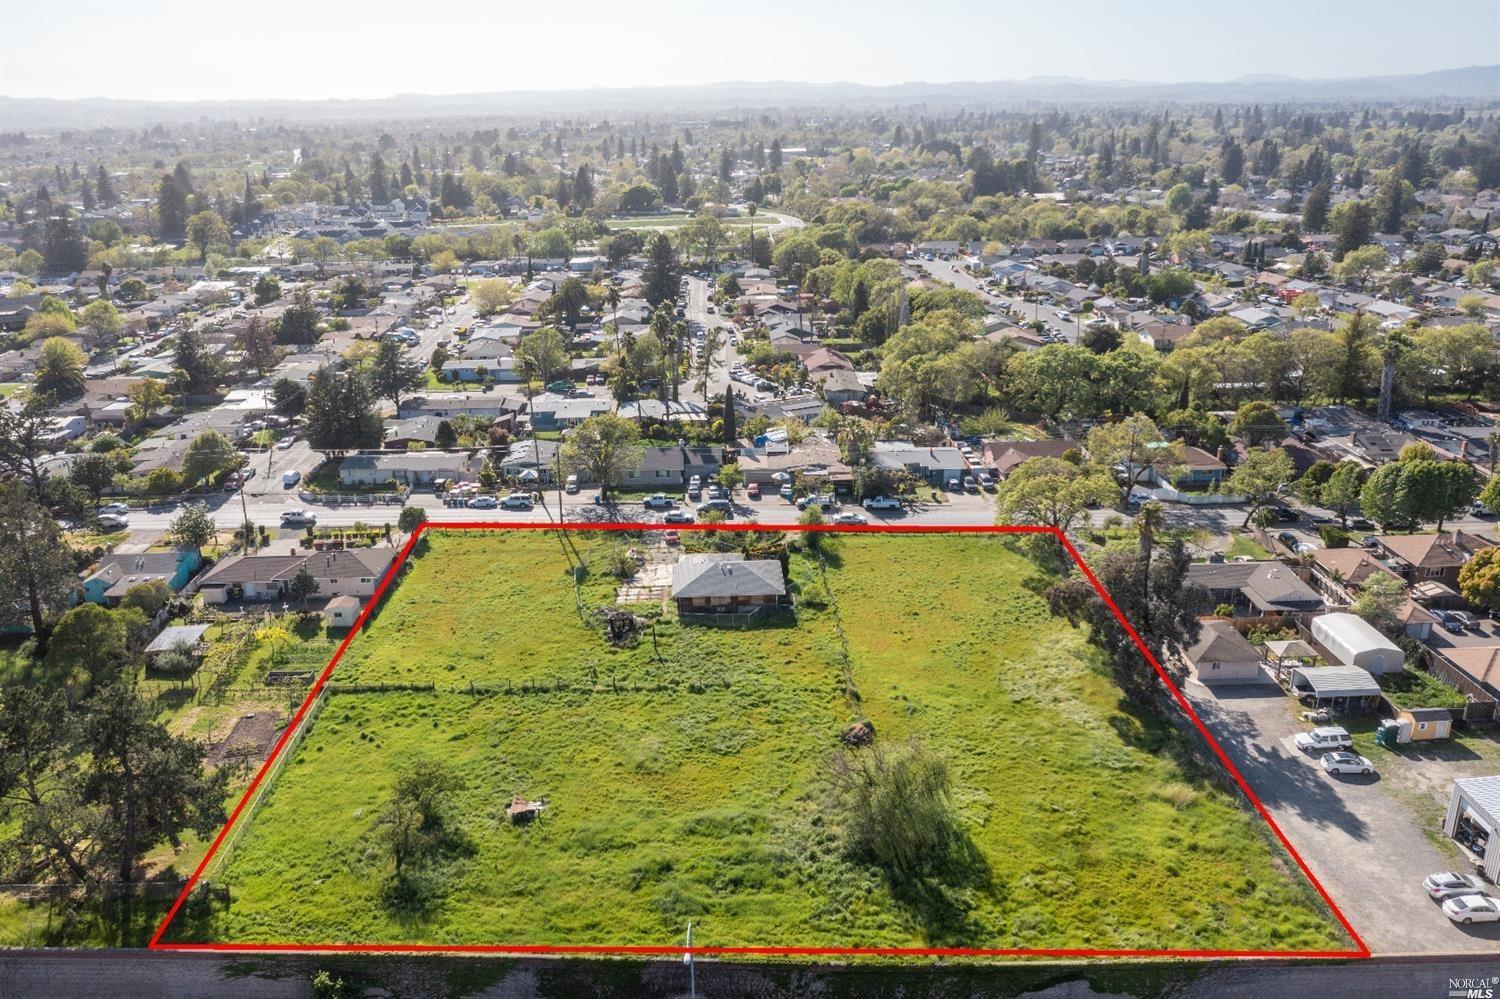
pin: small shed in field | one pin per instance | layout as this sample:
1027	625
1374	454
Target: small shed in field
1423	724
342	611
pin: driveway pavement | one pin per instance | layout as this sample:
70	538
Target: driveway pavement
1363	844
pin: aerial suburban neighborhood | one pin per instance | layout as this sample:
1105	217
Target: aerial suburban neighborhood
786	539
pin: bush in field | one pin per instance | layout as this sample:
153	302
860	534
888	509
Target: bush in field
898	808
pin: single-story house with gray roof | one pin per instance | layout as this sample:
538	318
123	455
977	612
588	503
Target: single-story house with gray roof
727	583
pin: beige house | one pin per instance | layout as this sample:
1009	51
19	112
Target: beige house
1222	655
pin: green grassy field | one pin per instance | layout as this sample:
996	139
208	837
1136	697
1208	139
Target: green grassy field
688	777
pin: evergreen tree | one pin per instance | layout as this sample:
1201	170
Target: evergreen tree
104	188
171	209
379	190
662	274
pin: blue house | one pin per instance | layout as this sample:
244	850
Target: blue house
118	574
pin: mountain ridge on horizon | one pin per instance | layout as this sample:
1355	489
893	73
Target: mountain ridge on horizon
1464	83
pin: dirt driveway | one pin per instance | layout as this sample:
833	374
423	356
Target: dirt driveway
1360	840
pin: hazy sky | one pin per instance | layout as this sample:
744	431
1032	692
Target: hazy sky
312	49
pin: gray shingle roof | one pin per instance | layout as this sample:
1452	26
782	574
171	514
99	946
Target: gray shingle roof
726	575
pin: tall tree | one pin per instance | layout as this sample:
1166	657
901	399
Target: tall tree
171	210
662	276
36	569
341	412
392	374
149	785
602	449
59	369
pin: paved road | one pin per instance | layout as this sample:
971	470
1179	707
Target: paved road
226	509
1362	844
143	975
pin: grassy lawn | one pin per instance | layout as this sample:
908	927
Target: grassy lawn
687	777
1242	544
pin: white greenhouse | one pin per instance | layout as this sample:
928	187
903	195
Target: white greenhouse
1354	642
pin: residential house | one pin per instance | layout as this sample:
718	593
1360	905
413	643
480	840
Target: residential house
1222	655
408	467
727	583
1002	457
840	385
402	434
1423	558
350	571
1256	589
817	459
670	468
550	411
941	466
530	459
118	574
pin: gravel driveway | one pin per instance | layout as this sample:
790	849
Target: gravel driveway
1362	843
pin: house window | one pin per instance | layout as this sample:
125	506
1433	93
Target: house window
1432	573
1213	667
1421	726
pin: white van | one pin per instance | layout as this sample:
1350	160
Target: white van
290	479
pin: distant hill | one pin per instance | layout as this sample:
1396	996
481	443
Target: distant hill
1474	83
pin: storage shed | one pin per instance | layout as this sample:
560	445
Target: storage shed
1354	642
1423	724
1473	812
342	611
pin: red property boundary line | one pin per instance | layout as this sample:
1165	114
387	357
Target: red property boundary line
1360	950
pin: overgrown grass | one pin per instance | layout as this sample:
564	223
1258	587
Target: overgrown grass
1244	545
687	777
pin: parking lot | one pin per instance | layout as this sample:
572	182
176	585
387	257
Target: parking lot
1365	838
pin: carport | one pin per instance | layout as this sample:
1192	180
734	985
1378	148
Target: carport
1341	688
1473	812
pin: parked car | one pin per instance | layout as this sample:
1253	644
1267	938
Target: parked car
882	503
291	478
113	522
572	484
1468	909
715	491
298	518
285	444
849	517
986	481
825	503
517	501
1326	738
786	492
716	506
1285	514
1447	884
659	501
118	509
1287	538
678	517
753	490
1361	524
671	537
1347	763
484	503
971	484
1464	620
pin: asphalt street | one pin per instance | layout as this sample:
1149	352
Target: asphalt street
146	975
